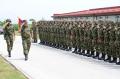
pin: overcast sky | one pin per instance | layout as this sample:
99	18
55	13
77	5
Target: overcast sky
38	9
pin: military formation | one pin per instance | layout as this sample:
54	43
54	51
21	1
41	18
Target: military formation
97	39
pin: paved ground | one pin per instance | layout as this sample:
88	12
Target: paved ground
49	63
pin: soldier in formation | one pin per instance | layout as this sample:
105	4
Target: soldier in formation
34	31
97	39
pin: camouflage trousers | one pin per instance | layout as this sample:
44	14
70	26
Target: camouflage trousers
9	41
35	36
117	49
112	49
26	45
107	48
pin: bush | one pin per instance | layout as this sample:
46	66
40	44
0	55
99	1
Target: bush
16	27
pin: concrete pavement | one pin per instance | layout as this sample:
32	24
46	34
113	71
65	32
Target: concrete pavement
50	63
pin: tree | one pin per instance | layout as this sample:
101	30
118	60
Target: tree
31	20
1	23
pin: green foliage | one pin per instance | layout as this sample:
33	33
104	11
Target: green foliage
31	19
1	23
16	27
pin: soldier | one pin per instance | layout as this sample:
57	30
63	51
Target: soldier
82	34
79	37
101	40
68	35
73	34
34	31
118	43
26	38
107	41
95	39
89	38
86	39
9	35
112	42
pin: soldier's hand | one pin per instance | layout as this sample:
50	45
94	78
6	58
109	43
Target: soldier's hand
6	24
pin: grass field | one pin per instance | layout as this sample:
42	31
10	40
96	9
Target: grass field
9	72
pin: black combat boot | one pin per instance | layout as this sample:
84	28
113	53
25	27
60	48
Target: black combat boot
70	48
108	58
52	45
64	47
83	52
61	46
67	48
92	53
43	42
40	42
75	50
57	46
88	53
79	51
118	61
96	56
46	43
26	57
9	53
113	60
102	57
35	40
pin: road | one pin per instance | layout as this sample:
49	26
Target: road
50	63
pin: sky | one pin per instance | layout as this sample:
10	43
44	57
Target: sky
44	9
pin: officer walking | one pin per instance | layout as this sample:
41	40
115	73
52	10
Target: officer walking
26	38
9	35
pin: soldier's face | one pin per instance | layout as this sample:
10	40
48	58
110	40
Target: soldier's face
8	23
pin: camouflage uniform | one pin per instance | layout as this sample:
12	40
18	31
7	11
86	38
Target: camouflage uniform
34	31
112	42
95	39
26	40
117	43
107	41
9	33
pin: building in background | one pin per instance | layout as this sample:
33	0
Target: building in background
107	13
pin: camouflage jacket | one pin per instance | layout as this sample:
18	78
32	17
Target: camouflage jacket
25	32
9	31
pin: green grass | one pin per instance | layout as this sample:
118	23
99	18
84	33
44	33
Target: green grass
9	72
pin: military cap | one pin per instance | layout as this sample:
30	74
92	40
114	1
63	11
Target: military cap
8	20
